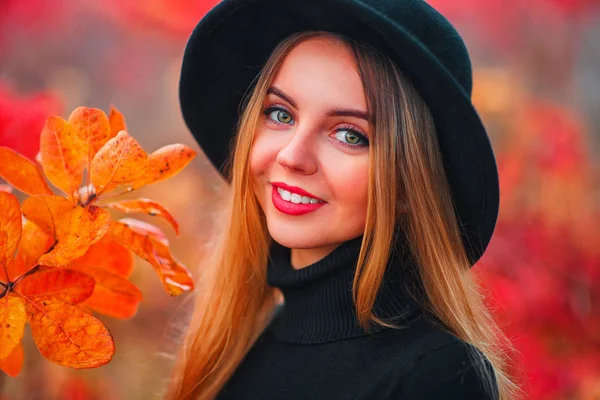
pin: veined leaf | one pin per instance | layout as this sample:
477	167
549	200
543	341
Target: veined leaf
60	151
93	130
120	160
67	335
62	284
164	163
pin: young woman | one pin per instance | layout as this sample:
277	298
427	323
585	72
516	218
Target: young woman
363	188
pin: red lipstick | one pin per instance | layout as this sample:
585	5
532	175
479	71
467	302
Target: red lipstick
287	207
295	189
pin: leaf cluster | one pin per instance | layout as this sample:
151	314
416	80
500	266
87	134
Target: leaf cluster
62	257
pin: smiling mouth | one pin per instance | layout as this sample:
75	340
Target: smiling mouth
295	204
296	198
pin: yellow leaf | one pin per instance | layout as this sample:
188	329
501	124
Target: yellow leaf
12	323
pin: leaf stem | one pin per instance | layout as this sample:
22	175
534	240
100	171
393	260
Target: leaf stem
31	271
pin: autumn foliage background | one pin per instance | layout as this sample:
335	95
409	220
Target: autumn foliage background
537	86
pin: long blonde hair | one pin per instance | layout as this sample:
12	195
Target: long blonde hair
408	190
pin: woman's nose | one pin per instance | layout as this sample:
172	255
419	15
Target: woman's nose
299	153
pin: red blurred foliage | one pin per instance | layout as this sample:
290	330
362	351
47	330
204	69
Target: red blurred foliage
22	119
505	24
169	17
32	14
543	264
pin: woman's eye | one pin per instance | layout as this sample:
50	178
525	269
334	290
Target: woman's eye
279	115
351	138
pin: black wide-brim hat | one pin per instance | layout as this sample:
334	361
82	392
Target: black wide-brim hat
229	46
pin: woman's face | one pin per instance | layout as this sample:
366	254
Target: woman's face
313	135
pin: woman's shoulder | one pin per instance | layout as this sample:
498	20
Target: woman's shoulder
432	363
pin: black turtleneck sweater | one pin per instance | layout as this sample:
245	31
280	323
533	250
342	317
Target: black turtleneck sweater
314	348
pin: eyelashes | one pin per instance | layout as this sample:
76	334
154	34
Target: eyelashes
281	116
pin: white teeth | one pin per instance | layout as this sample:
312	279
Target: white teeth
287	196
296	198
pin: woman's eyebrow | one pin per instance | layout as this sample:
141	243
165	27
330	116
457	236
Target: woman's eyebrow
279	93
333	113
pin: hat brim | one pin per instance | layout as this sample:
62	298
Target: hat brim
232	42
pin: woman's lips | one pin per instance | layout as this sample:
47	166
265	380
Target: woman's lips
290	208
295	189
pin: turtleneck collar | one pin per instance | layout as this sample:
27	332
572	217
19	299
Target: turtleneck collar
318	298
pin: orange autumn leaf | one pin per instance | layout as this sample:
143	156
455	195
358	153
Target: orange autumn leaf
22	173
117	121
15	268
69	336
120	160
44	211
147	206
60	153
34	243
113	295
108	255
174	276
76	230
144	228
93	130
164	163
13	364
61	284
10	224
12	323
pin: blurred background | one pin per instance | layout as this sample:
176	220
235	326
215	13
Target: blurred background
536	85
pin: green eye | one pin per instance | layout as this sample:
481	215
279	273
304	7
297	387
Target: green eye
279	115
283	116
352	138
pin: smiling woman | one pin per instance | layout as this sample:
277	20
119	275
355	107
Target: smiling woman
360	195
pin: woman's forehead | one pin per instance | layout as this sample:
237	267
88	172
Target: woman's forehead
321	69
